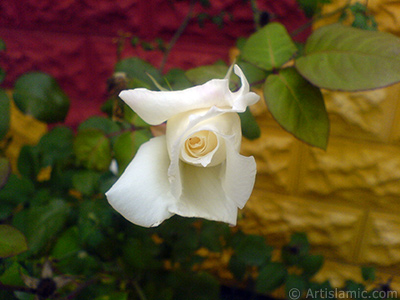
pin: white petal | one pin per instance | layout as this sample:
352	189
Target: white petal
203	195
155	107
239	178
209	149
142	193
182	126
243	97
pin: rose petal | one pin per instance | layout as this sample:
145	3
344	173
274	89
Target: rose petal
243	97
239	178
155	107
208	149
203	195
142	193
182	126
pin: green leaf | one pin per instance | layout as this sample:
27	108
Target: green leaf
311	264
253	250
311	7
5	170
12	241
127	144
41	223
17	190
271	276
250	128
298	248
92	149
308	6
67	244
137	255
106	181
295	286
368	273
270	47
39	95
56	145
353	286
300	239
133	118
218	70
86	182
298	107
203	74
5	113
338	57
136	69
177	79
107	107
181	242
362	19
103	124
29	162
237	267
240	42
6	210
12	275
212	234
255	76
93	216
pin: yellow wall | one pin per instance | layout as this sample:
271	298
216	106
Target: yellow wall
346	199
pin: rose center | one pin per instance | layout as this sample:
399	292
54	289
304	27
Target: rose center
201	143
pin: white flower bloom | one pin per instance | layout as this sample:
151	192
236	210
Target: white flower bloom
195	170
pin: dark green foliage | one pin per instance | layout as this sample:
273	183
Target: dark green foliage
362	18
271	276
311	7
5	113
5	170
39	95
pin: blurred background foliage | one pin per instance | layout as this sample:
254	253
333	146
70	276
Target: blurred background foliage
60	239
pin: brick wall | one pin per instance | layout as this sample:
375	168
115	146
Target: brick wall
75	40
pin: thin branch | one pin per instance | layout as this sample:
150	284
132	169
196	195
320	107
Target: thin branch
139	291
319	17
177	35
15	288
75	292
256	13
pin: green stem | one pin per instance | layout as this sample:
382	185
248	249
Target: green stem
256	13
139	291
320	16
177	35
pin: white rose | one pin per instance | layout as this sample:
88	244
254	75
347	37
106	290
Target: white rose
195	170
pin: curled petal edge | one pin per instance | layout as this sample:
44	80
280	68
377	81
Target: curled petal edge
155	107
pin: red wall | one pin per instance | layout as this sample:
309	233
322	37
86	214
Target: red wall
74	40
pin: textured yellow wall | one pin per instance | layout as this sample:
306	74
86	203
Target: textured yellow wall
347	199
